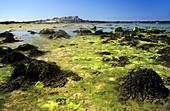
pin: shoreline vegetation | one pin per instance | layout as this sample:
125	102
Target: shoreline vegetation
121	70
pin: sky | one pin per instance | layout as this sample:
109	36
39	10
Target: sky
108	10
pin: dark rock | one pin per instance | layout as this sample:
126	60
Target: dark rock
26	47
9	40
59	34
32	32
6	34
35	53
143	84
47	31
9	37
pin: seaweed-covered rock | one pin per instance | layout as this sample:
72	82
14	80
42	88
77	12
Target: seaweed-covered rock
59	34
35	53
13	57
143	84
4	50
32	70
47	31
83	32
26	47
9	37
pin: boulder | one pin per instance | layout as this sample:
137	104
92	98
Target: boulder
59	34
32	71
143	84
47	31
9	37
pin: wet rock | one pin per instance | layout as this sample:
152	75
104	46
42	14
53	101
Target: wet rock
143	84
47	31
59	34
26	47
35	53
13	57
32	32
9	37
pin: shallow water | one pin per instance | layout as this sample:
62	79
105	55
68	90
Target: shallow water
40	40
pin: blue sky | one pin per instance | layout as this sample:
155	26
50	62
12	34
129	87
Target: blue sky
20	10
